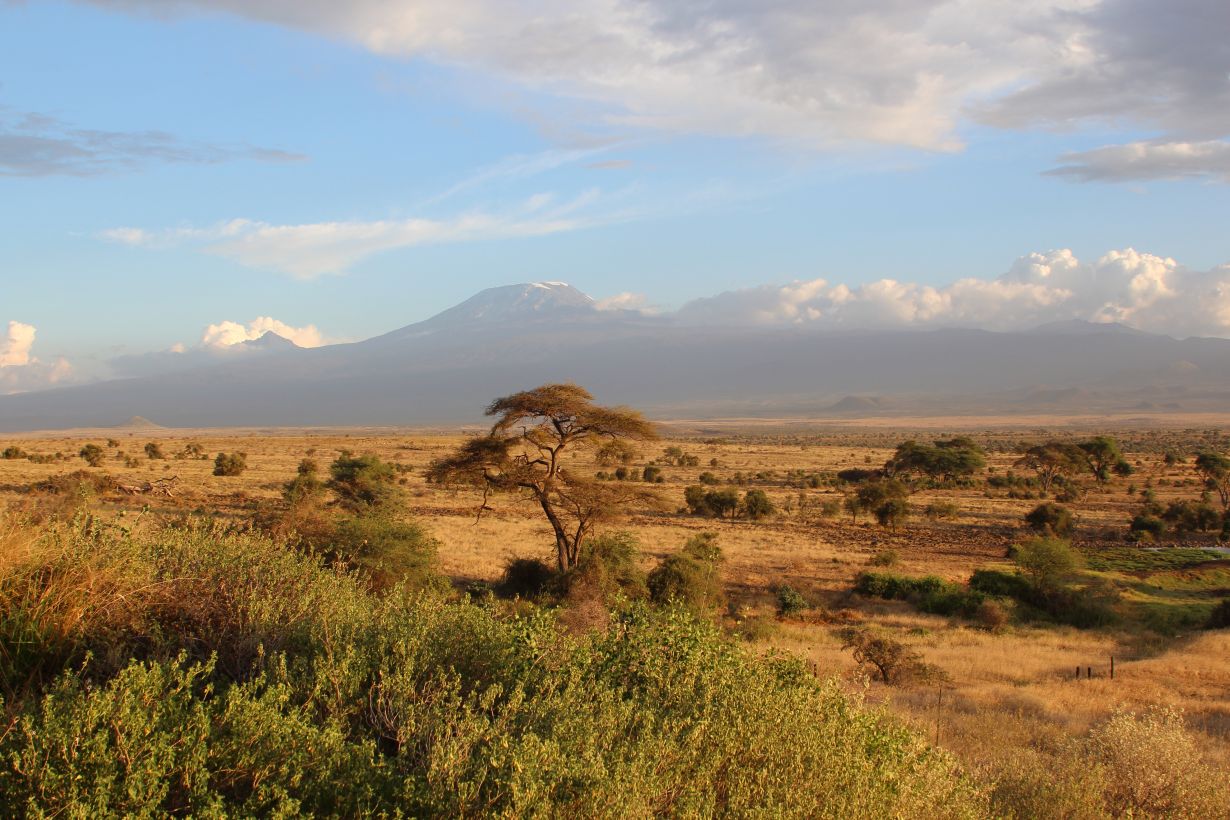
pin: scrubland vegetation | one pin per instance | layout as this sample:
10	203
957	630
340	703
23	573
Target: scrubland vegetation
837	624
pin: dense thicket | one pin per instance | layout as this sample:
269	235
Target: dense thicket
196	671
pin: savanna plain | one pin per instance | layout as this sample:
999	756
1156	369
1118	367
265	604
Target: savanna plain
783	618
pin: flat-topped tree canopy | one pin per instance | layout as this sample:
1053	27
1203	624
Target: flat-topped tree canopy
523	452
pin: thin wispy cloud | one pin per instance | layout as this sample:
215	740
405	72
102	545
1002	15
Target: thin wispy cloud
36	145
1145	161
310	250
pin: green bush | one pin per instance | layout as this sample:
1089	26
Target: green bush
929	594
756	505
790	601
690	578
92	454
1049	518
153	451
608	564
1219	618
525	578
363	482
234	677
385	550
230	464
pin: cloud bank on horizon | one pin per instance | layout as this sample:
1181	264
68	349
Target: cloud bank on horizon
831	75
1141	290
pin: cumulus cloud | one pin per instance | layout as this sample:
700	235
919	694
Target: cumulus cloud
36	145
20	370
16	344
1142	161
624	301
824	74
309	250
227	333
1138	289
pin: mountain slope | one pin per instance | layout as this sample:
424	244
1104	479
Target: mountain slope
447	368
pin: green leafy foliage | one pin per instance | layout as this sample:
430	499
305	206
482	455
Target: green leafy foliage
231	676
230	464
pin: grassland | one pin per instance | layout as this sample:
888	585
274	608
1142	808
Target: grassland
1007	692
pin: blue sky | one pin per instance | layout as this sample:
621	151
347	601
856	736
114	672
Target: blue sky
357	167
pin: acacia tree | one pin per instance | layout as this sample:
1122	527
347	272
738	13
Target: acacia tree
1104	456
1052	460
1214	468
524	452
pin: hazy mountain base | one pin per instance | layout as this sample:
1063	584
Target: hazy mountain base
445	369
191	671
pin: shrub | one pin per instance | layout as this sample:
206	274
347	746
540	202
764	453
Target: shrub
857	475
894	663
992	615
525	578
691	577
830	508
385	550
1154	768
327	700
941	510
892	512
92	454
884	558
652	474
1187	516
607	564
707	478
153	451
1147	527
929	594
12	452
1045	561
790	601
1050	518
230	464
362	482
1219	618
999	584
756	505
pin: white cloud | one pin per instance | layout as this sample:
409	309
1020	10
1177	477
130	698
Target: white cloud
20	370
309	250
825	74
879	71
227	333
16	344
624	301
1142	161
1138	289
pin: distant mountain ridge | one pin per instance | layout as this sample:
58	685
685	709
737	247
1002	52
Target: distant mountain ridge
447	368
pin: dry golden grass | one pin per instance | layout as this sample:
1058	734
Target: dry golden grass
1008	690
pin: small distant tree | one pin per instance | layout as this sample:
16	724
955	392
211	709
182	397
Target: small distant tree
1046	561
722	503
1054	460
153	451
892	512
12	452
93	455
230	464
947	459
1188	516
757	505
1104	456
1214	468
306	487
524	452
616	451
893	661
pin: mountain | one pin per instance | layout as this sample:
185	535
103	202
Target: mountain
447	368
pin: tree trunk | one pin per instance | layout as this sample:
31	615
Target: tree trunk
563	544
